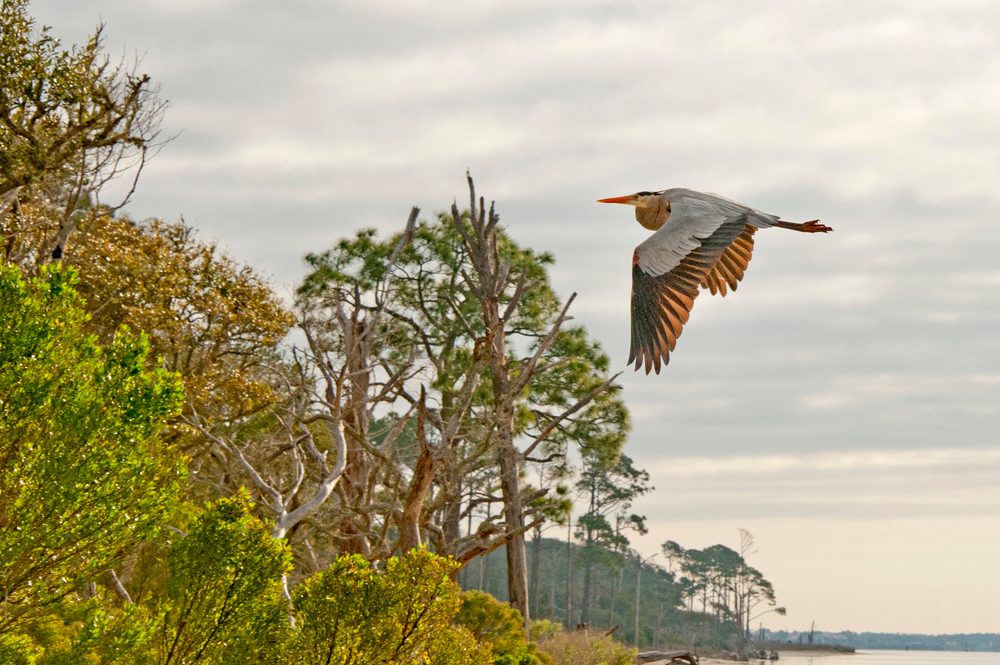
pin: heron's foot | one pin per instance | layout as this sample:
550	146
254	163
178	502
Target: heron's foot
815	227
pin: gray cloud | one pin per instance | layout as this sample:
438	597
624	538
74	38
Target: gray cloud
852	484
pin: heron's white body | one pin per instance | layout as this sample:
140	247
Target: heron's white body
691	217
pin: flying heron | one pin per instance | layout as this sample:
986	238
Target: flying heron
700	239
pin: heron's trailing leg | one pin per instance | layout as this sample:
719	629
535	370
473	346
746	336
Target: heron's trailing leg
809	227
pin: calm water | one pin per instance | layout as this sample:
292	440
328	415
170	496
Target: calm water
896	658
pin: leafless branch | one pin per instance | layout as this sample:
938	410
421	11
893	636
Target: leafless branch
582	402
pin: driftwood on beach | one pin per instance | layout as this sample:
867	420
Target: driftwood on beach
689	657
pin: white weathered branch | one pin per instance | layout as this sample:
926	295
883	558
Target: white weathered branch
127	599
279	504
287	520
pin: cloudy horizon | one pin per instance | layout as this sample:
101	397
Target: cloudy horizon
843	405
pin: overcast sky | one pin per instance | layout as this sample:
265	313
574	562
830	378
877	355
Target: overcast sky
843	405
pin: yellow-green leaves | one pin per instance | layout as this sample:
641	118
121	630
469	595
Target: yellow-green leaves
353	613
211	320
84	476
224	592
499	624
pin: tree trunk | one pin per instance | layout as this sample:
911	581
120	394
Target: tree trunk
614	597
420	484
536	561
552	591
355	481
482	560
741	630
569	572
659	621
451	519
638	598
466	571
498	293
508	459
585	601
517	559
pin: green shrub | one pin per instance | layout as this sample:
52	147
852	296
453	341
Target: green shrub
16	650
501	625
222	605
353	613
579	648
84	475
543	629
224	599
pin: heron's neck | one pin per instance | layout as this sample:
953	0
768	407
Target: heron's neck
652	218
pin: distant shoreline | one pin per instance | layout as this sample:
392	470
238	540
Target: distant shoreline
800	648
798	653
978	642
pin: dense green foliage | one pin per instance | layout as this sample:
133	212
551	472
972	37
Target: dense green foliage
662	619
223	605
84	476
608	490
223	599
671	607
499	624
354	613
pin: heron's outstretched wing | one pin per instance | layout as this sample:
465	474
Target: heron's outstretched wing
731	265
666	271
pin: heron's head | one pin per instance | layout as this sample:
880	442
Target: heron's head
639	199
651	208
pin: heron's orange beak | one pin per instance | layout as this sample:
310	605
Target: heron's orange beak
619	199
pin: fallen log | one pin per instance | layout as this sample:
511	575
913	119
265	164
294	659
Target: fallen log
689	657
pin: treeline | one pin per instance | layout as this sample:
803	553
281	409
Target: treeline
897	641
670	598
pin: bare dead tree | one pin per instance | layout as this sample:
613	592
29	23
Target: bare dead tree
300	454
422	408
360	368
499	292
